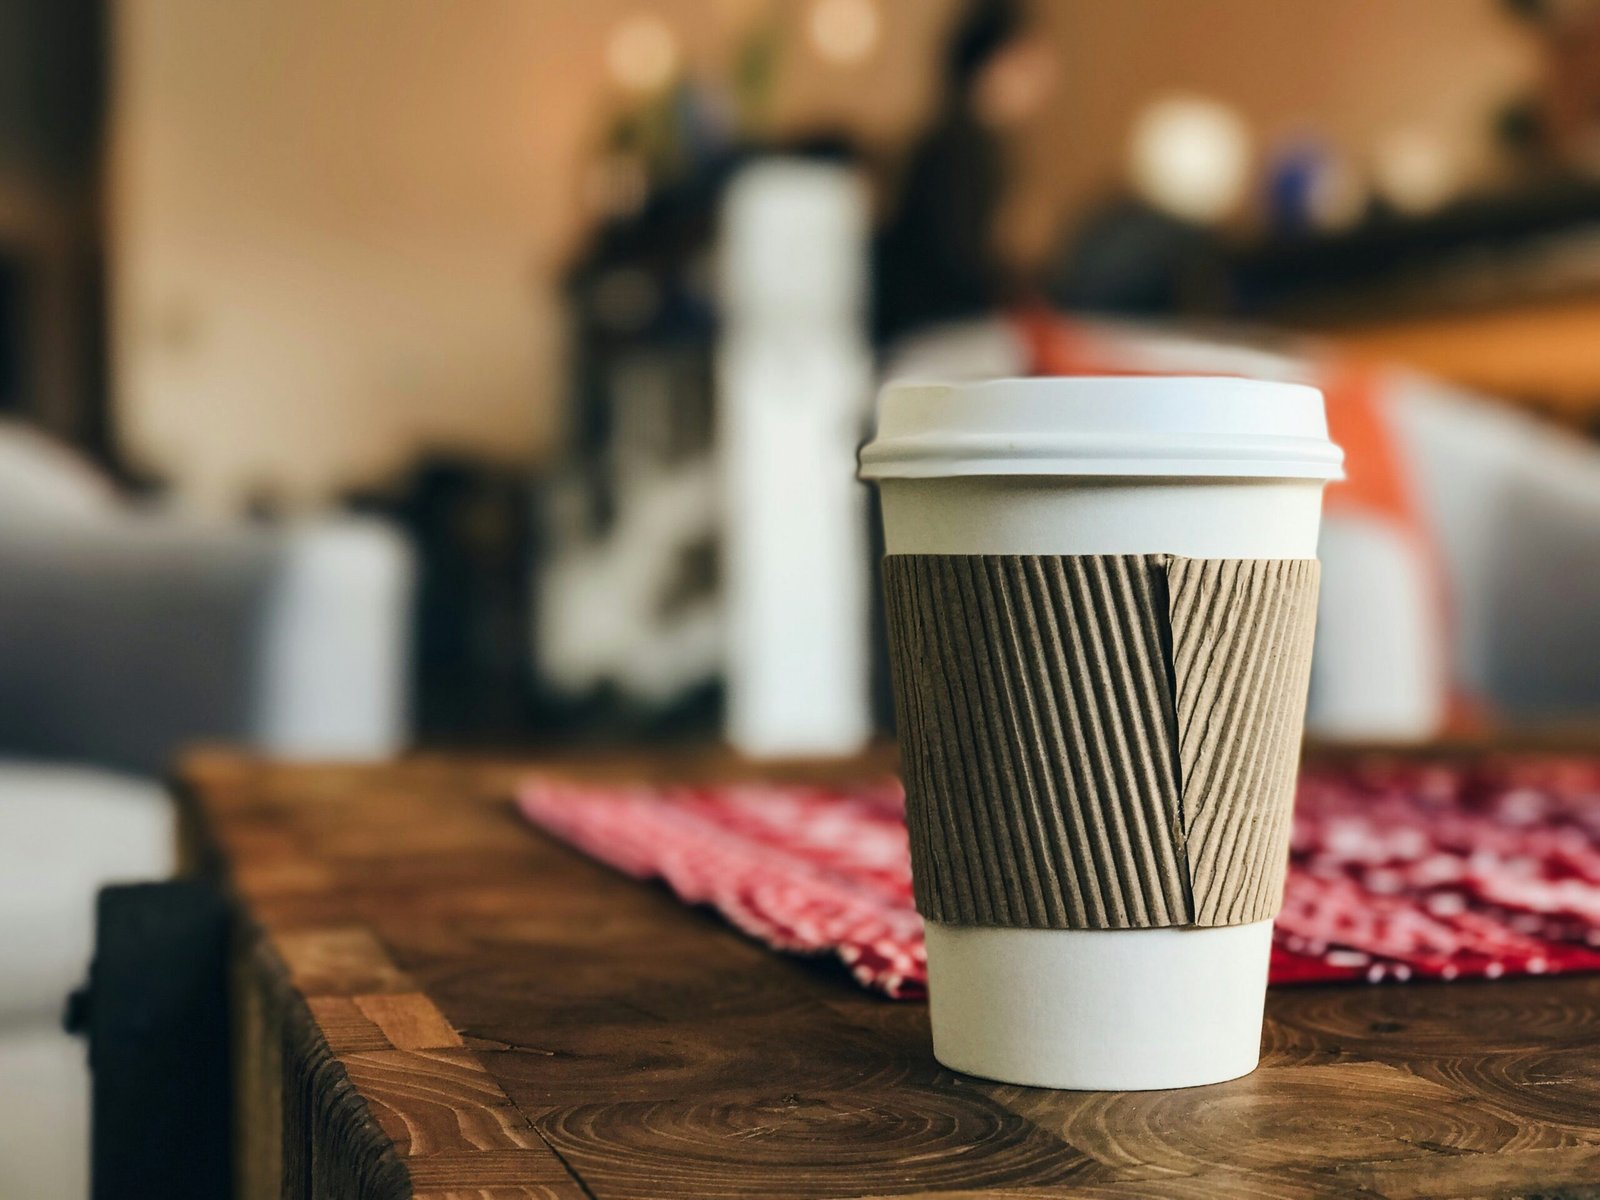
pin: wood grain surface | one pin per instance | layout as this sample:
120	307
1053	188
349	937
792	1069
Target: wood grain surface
435	1000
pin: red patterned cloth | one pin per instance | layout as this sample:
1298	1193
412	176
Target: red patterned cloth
1399	870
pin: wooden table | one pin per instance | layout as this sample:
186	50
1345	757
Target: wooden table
435	1000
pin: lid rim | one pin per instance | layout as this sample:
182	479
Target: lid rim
953	443
1104	469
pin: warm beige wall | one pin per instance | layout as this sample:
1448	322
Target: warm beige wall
336	226
325	226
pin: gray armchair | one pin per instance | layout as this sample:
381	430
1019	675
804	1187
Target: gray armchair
125	634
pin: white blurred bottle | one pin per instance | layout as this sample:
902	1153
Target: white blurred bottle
793	386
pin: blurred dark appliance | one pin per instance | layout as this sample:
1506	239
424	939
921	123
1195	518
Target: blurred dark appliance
706	563
470	525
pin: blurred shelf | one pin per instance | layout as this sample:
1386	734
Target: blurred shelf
1529	245
1543	355
1499	293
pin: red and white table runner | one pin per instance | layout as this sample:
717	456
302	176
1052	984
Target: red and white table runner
1398	869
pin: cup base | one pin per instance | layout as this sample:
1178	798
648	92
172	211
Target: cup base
1099	1010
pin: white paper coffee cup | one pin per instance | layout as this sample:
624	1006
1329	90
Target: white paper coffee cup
1197	467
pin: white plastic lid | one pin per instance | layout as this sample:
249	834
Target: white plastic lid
1207	426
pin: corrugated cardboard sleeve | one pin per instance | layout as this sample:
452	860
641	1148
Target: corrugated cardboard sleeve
1099	741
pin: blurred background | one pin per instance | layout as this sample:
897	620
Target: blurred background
491	375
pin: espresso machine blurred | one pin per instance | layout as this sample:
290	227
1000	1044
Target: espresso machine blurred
706	563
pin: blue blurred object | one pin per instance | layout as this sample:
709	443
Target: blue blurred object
1292	178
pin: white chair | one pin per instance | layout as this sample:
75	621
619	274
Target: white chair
1503	608
124	634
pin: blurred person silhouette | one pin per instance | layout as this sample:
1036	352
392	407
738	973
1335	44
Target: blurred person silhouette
1156	247
935	258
